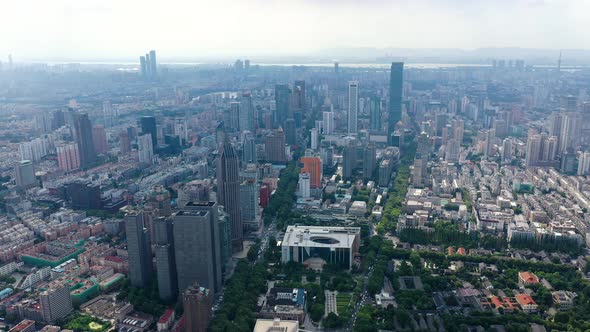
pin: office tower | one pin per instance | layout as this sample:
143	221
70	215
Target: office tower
99	137
353	106
83	129
153	65
419	170
249	197
441	121
143	66
395	96
328	122
165	260
369	161
314	138
124	142
570	131
55	302
507	150
569	103
488	142
458	130
148	67
68	157
304	185
58	119
274	147
264	195
375	114
197	302
313	166
197	245
246	113
348	161
550	148
158	198
107	113
43	123
228	190
148	126
25	174
298	102
584	163
533	150
452	150
249	150
145	149
290	132
568	163
282	105
233	116
139	249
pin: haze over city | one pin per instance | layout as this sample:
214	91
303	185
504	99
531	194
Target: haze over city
295	166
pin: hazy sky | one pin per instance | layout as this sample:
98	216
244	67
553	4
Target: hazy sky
121	28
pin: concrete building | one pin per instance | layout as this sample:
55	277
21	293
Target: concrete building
274	147
197	246
55	302
145	149
68	157
335	245
139	248
304	190
273	325
197	302
228	193
353	106
165	259
25	174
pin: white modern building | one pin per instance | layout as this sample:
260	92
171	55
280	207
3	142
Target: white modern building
353	106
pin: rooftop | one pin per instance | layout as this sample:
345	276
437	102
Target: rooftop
320	236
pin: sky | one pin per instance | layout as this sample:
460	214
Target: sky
78	29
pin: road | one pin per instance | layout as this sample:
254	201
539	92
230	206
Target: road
364	300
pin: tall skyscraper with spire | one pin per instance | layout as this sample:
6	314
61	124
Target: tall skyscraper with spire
228	190
396	80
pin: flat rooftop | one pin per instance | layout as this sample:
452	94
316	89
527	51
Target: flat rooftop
320	236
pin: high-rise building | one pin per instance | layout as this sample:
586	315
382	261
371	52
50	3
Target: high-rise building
153	65
290	132
314	138
25	174
124	142
84	195
197	246
353	106
249	154
68	157
249	198
143	66
533	150
369	161
165	260
328	122
158	199
282	105
507	150
148	126
584	163
274	147
348	161
83	129
58	119
228	189
145	149
107	113
139	249
395	96
197	302
233	117
246	113
375	114
313	166
304	185
99	137
55	302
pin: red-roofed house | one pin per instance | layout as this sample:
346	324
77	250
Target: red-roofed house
166	320
461	251
26	325
527	303
527	278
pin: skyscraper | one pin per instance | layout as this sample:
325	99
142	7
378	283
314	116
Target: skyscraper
369	161
153	66
197	302
304	185
83	129
55	302
375	114
143	66
395	96
139	249
274	147
165	260
197	246
249	198
233	116
145	149
124	142
68	157
299	103
228	189
353	106
99	137
313	166
282	105
328	122
290	132
25	174
314	138
148	126
246	116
